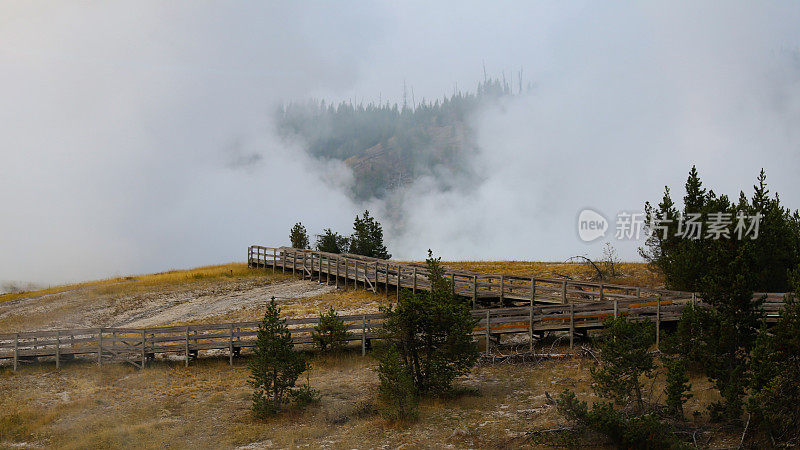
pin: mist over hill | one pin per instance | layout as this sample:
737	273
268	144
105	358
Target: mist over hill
389	146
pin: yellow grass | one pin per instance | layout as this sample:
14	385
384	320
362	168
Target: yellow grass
635	274
207	405
632	274
145	281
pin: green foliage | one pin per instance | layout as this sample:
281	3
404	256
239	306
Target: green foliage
298	236
625	431
432	332
305	395
330	335
331	242
397	395
687	262
625	358
718	339
775	380
677	385
275	365
367	239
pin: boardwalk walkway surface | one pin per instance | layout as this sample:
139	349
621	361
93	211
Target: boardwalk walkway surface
532	306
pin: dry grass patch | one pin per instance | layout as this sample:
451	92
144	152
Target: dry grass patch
633	274
208	405
146	282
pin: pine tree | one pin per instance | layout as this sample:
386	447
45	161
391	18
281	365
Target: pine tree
695	193
432	332
775	370
686	262
397	393
625	356
678	386
761	194
275	365
330	335
298	236
367	238
331	242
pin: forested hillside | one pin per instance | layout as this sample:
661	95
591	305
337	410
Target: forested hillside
389	145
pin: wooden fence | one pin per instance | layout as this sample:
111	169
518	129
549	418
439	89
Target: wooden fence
509	290
138	345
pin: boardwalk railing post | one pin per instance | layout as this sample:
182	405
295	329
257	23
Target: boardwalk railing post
488	324
144	354
386	285
615	308
58	349
502	288
694	299
530	332
346	274
452	283
328	279
601	291
414	289
571	325
638	292
399	269
363	335
274	259
564	292
533	290
294	263
474	291
16	351
230	344
186	349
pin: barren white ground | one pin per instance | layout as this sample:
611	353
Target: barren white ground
91	307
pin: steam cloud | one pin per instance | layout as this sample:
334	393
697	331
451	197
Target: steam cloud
137	137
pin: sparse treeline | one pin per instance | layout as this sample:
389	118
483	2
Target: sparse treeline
755	368
711	231
366	240
406	140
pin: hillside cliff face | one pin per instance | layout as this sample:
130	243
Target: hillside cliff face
387	146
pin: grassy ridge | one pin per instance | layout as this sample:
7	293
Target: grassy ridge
634	274
145	281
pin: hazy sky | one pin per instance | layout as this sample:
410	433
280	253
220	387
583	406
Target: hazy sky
136	136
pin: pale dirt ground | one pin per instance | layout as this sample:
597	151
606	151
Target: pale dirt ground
223	300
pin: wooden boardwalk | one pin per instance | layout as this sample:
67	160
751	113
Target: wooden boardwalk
503	290
139	345
548	305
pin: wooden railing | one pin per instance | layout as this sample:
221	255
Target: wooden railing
138	345
372	273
